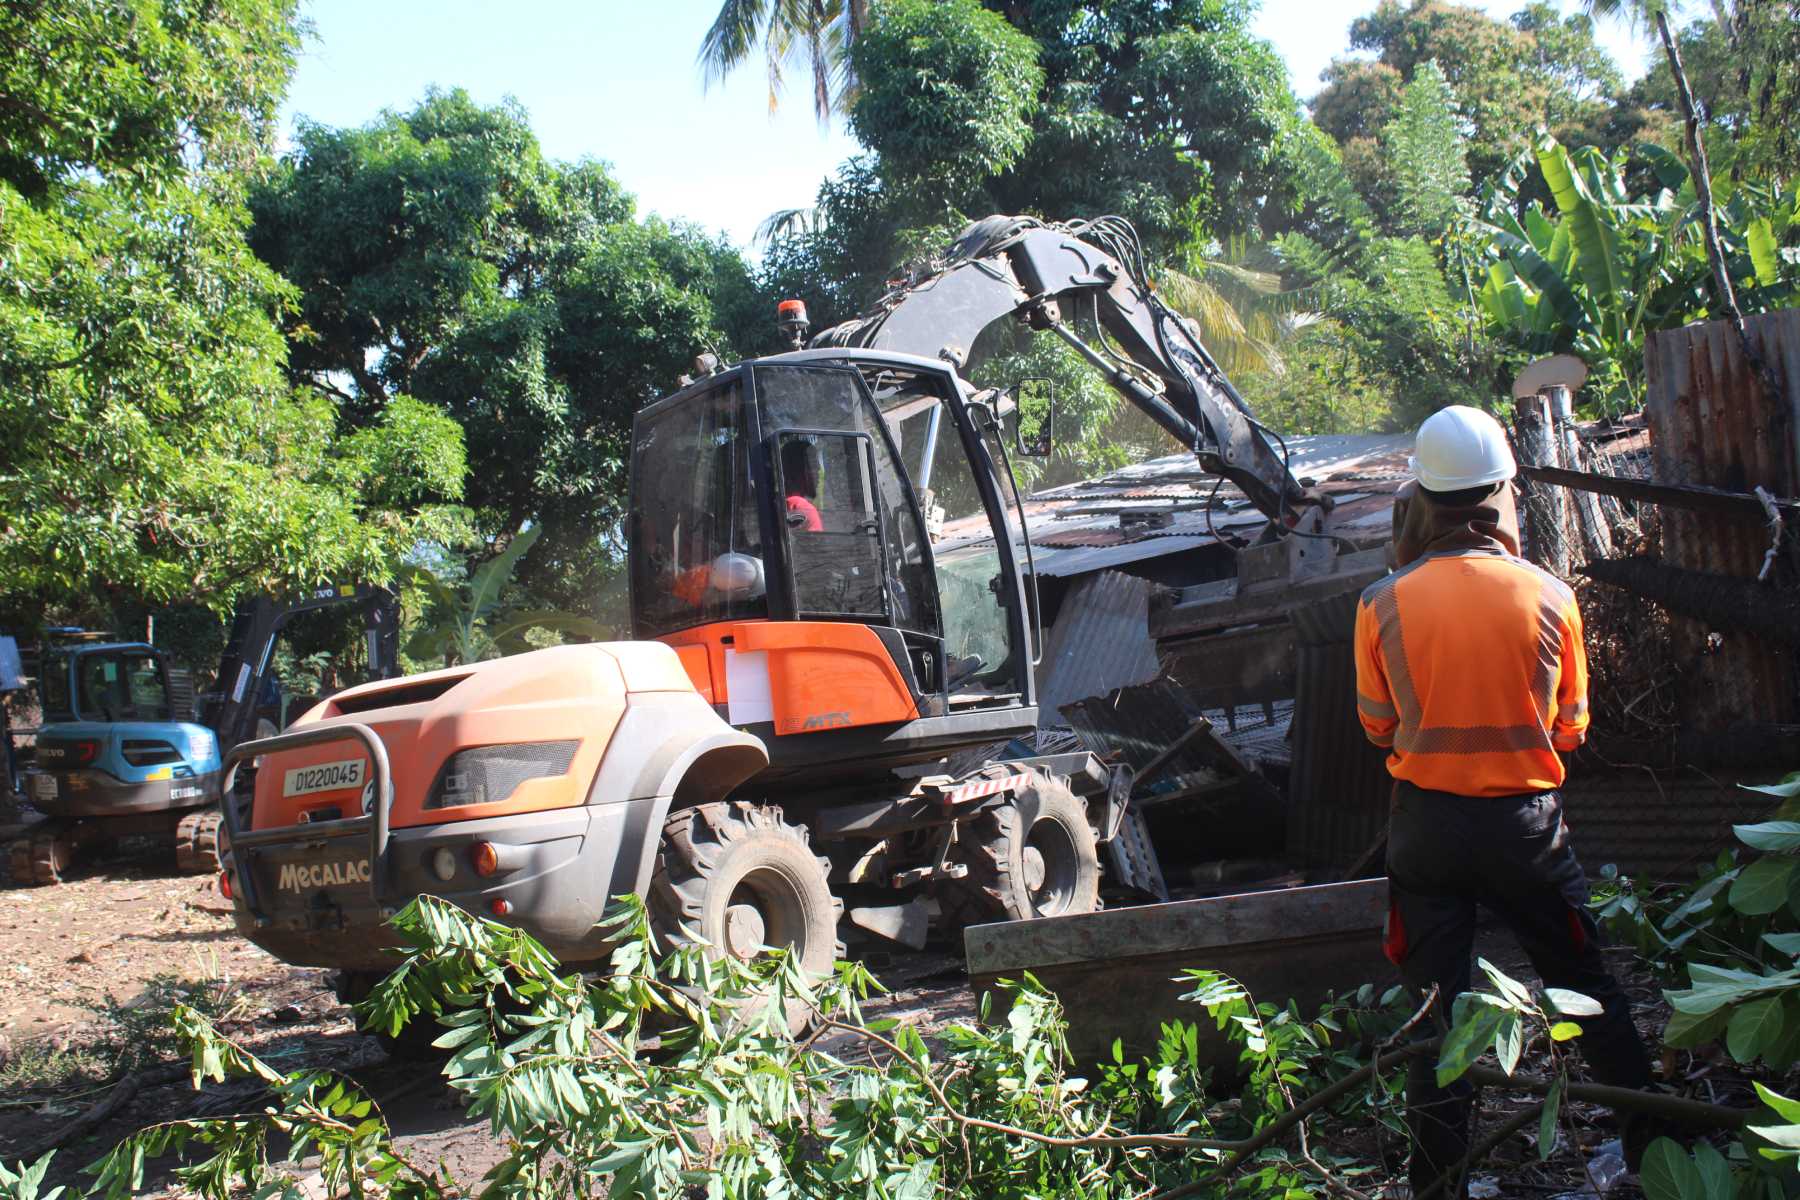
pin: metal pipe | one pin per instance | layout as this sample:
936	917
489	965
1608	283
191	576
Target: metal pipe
930	459
1153	405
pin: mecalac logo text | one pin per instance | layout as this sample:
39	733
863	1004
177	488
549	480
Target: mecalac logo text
297	877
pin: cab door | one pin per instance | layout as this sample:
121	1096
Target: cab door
974	545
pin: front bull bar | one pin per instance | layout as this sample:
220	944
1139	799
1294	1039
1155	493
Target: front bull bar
375	821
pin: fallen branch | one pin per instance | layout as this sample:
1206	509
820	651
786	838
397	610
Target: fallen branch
122	1094
1696	1113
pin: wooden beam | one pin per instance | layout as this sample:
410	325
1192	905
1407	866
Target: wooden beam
1680	495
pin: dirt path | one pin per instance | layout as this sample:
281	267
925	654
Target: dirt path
110	930
118	925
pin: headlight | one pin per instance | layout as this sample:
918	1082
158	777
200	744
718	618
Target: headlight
489	774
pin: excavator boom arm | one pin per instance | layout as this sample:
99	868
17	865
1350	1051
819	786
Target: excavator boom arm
1016	266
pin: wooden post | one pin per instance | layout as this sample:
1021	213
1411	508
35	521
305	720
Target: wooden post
1590	519
1546	507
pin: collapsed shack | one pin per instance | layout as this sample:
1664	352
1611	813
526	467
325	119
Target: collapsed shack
1174	646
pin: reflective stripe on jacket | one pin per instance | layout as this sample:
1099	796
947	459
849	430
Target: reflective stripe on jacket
1470	668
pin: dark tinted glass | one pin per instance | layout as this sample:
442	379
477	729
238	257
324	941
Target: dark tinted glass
820	399
697	552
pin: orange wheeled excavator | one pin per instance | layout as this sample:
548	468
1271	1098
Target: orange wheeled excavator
808	726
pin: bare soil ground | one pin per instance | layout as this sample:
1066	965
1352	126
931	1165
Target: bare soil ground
118	924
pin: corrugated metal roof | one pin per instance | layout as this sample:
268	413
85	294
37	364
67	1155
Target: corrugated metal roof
1101	641
1160	507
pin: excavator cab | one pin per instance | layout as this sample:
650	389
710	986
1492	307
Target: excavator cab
782	520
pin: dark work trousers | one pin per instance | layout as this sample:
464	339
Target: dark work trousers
1448	855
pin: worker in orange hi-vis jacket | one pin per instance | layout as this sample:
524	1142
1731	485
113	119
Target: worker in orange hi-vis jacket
1470	671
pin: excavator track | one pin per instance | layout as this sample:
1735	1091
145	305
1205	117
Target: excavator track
44	854
197	842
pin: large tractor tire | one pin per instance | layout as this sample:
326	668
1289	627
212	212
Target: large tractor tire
1033	855
741	877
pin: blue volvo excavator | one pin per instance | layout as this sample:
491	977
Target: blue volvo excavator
126	747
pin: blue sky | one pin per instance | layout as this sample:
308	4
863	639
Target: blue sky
615	80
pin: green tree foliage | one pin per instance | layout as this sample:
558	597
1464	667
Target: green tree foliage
1172	115
947	93
152	452
1745	74
1426	155
814	33
440	256
1598	269
1508	76
730	1106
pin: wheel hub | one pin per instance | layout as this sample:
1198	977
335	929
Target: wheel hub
1034	869
745	931
1051	866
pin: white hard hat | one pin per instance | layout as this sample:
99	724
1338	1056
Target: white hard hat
1461	447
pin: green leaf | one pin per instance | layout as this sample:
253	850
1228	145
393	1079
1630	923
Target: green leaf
1769	835
1514	991
1596	246
1547	1121
1668	1173
1763	887
1467	1040
1563	1031
1715	1172
1509	1042
1573	1004
1765	251
1788	1109
1688	1030
1787	789
1754	1026
1786	943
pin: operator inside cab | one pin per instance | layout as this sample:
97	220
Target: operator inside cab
800	475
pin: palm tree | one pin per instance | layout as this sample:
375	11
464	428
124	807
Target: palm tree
816	32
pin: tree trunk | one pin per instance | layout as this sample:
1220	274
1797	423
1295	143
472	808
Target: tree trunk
1702	172
1696	146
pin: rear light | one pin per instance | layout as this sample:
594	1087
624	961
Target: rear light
500	906
484	858
225	884
443	863
489	774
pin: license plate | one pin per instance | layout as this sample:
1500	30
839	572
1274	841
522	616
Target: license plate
324	777
43	787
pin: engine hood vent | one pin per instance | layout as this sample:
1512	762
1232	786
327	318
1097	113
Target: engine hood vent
417	692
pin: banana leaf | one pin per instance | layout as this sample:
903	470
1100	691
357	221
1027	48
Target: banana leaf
1596	245
1765	254
1546	279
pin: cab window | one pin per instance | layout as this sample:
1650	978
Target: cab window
974	586
834	550
697	547
829	441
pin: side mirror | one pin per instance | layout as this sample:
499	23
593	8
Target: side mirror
1034	412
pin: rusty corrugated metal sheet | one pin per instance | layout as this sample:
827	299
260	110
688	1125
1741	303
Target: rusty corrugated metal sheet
1658	830
1101	641
1713	423
1136	724
1339	786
